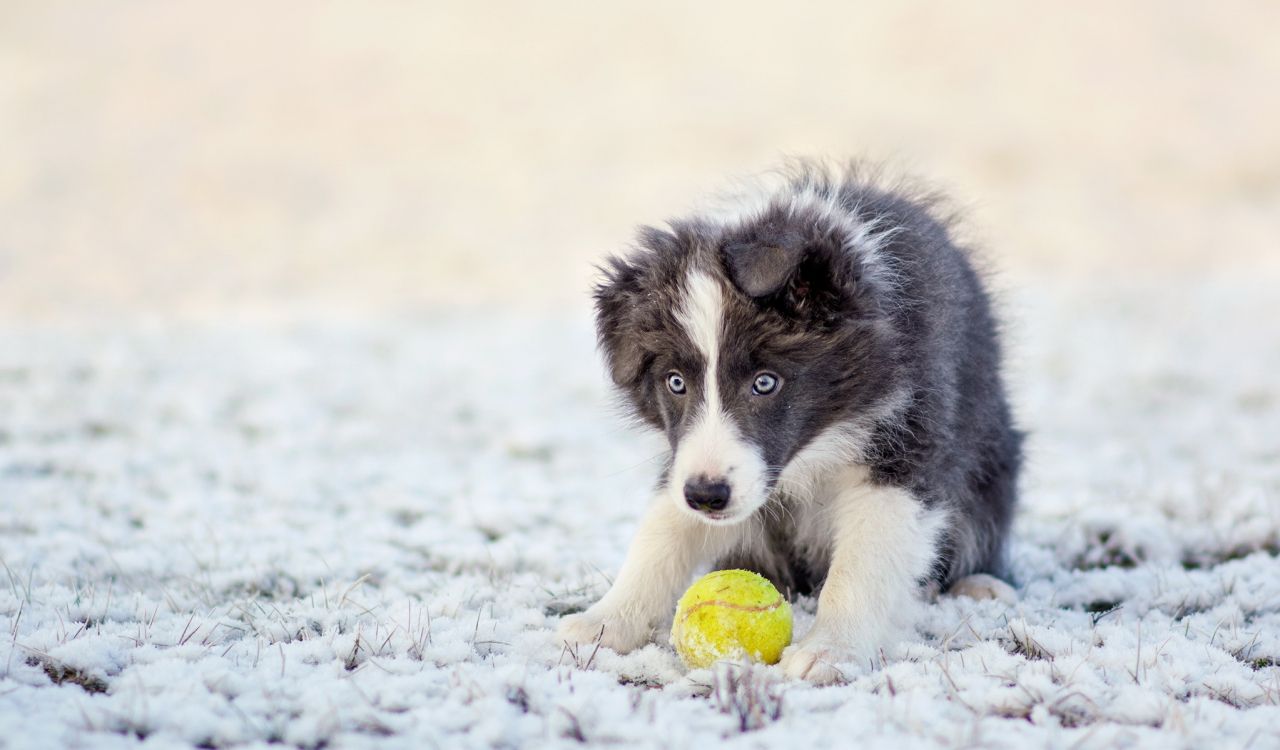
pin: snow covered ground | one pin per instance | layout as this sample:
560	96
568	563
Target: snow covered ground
355	534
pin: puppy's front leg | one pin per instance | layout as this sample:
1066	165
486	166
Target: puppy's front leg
663	556
884	542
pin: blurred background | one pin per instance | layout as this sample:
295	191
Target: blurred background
181	159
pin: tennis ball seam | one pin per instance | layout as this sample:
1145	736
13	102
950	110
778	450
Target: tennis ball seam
730	605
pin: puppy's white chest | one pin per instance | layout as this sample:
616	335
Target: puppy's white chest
813	516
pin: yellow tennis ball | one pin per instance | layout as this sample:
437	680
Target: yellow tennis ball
730	614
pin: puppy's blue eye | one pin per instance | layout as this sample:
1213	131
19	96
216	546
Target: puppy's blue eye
675	383
765	383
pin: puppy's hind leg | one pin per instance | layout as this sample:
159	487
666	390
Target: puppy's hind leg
982	586
666	551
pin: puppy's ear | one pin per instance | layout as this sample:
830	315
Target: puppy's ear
618	297
802	271
762	270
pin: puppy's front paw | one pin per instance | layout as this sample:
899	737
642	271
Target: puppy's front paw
816	660
610	629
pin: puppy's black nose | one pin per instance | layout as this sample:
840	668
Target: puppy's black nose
706	494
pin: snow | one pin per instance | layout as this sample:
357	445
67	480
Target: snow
361	533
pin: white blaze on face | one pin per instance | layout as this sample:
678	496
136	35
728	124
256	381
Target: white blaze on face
714	447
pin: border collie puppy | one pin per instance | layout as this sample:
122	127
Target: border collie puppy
824	362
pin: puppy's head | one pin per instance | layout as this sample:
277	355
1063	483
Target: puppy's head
742	341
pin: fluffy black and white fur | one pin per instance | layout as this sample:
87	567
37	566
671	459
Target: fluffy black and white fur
824	362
